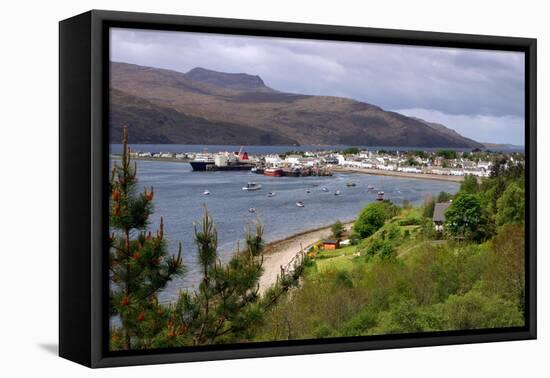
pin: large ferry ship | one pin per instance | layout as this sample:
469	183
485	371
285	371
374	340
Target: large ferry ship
201	162
237	161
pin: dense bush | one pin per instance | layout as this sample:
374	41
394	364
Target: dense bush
371	218
466	218
337	229
511	206
473	310
377	247
505	273
410	221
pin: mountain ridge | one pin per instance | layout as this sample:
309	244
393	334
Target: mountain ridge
244	109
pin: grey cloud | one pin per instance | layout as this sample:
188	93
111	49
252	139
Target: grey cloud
450	81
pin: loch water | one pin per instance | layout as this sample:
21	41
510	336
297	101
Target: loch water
179	199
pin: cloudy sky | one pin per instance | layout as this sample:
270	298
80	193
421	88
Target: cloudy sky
478	93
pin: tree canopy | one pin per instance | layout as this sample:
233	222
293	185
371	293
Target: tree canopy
511	206
371	218
465	218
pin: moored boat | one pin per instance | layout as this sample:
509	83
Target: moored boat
252	186
202	162
300	204
273	172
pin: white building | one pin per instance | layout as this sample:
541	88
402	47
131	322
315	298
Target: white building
409	169
485	165
293	159
273	160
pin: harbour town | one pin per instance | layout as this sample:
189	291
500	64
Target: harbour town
449	165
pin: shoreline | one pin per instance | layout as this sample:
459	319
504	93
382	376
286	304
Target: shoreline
418	176
164	159
280	252
369	171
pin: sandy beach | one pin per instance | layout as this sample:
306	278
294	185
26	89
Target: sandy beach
420	176
281	252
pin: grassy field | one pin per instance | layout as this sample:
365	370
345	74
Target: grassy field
348	257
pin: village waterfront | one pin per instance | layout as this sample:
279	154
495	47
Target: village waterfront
179	198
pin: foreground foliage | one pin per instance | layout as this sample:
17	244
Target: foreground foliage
432	287
139	263
403	277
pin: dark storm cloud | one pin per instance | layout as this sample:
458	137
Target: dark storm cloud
452	82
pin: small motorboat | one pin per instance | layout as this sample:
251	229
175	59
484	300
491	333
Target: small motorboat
252	186
300	204
251	210
206	193
308	191
271	194
380	196
337	193
324	189
370	187
351	184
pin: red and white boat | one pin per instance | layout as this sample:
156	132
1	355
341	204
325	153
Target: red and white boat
273	172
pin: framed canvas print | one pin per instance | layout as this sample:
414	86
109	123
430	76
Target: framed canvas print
233	188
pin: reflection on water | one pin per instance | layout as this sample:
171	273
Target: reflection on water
179	199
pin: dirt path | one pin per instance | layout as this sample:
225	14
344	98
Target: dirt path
280	253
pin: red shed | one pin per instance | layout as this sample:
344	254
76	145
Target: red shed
331	244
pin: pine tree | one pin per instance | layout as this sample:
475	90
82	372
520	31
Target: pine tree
226	305
140	265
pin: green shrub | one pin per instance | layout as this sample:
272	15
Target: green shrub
337	229
402	317
511	206
370	220
410	221
360	324
466	219
343	279
377	247
474	311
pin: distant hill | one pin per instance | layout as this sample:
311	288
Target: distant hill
209	107
503	146
239	81
450	132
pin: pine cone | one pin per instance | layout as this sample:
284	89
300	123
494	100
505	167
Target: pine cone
115	195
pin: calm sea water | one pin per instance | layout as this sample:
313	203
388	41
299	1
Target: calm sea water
179	199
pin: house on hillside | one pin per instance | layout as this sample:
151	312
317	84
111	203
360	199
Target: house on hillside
331	244
439	215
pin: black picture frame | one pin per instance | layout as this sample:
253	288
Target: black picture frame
83	197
